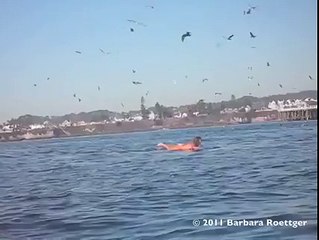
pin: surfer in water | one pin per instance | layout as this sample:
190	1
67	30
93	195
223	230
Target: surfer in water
191	146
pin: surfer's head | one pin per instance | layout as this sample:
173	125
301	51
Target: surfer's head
197	141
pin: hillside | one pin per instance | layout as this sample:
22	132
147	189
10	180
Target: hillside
101	115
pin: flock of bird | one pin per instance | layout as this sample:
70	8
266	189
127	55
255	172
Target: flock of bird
183	37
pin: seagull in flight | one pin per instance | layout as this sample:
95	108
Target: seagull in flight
252	7
122	105
48	79
310	77
102	51
35	85
218	93
136	83
280	85
187	34
78	52
133	71
150	6
132	29
205	79
230	37
98	88
79	99
131	20
258	85
147	93
268	64
74	95
141	24
252	35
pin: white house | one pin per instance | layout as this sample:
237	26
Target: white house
7	128
137	118
151	116
36	126
66	123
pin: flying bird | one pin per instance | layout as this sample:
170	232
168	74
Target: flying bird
48	78
131	20
102	50
132	29
205	79
230	37
122	104
250	68
35	85
253	47
147	93
74	95
252	7
78	52
280	85
218	93
136	83
258	85
150	6
250	77
79	99
186	76
187	34
249	11
98	88
310	77
142	24
133	71
268	64
252	35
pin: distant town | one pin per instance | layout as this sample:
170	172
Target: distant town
245	110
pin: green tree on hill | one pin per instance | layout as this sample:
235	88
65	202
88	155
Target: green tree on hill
163	112
201	106
144	111
159	110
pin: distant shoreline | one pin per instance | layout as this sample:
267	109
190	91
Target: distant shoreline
19	137
159	128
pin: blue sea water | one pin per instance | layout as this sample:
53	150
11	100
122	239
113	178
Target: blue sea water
122	187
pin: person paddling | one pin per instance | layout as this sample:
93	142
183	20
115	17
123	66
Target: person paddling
191	146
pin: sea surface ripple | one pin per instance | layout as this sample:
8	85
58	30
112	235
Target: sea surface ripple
122	187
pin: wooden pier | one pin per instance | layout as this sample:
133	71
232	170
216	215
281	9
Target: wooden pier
298	114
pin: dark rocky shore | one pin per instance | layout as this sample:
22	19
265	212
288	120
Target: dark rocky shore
110	128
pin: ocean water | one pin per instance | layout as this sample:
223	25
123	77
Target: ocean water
122	187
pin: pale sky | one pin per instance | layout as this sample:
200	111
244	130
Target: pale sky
38	40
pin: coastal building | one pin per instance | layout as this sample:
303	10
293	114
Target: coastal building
80	123
296	109
36	126
8	128
137	118
66	123
151	116
265	114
